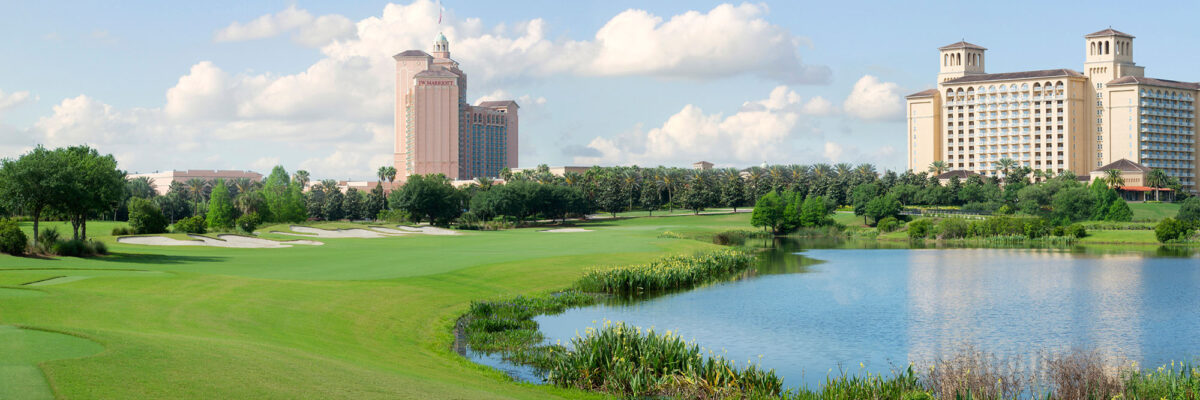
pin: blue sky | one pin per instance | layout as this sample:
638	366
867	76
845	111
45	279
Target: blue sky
199	85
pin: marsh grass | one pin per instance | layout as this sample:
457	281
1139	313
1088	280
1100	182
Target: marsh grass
666	274
623	360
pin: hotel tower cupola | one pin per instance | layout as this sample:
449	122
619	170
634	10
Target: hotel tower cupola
960	59
441	46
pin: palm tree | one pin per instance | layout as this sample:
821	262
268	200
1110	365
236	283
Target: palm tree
1006	164
302	178
391	174
573	179
382	173
843	169
484	183
938	167
866	172
1039	175
195	189
1156	179
632	180
1113	178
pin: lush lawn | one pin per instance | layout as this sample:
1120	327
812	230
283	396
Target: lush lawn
354	318
1153	211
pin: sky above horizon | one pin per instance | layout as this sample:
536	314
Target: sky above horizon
309	85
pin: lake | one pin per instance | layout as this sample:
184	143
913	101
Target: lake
809	313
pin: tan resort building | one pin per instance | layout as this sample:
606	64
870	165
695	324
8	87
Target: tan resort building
1056	119
437	131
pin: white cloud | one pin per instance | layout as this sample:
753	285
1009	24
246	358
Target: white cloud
760	130
335	116
305	29
728	40
833	151
11	100
873	99
818	106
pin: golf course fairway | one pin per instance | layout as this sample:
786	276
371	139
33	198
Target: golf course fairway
353	318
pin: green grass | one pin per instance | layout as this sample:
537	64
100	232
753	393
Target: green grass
1153	211
355	318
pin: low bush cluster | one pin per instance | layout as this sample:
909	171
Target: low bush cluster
194	224
992	227
79	248
1172	230
670	273
248	222
888	224
12	239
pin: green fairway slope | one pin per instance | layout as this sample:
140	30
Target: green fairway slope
354	318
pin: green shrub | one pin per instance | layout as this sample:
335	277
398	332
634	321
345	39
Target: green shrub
952	228
193	224
1171	229
888	224
79	248
1119	212
145	217
920	228
1189	211
47	239
122	230
392	216
98	247
12	239
1036	228
1058	231
1076	231
248	222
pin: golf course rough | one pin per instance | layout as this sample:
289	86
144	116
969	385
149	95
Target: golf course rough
353	318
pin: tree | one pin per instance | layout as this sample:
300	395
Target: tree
1171	229
1157	179
1189	211
141	186
769	213
733	189
1005	165
32	182
146	217
428	197
285	201
650	199
93	185
196	189
861	195
1119	212
1073	204
302	178
882	207
814	212
376	202
220	208
354	205
1113	178
938	167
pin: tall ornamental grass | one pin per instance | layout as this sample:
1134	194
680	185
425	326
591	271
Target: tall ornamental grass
670	273
625	361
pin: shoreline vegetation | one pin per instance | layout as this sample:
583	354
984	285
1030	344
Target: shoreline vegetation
632	362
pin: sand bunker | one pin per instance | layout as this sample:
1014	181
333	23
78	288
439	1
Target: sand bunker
340	233
566	230
427	230
390	230
231	241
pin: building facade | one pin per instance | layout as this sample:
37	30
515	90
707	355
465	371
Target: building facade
162	180
1057	120
437	131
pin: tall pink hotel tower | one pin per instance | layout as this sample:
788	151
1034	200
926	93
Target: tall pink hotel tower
437	131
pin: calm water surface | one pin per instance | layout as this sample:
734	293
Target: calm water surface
886	307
